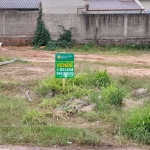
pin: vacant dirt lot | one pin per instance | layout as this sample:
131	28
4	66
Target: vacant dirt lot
43	63
37	64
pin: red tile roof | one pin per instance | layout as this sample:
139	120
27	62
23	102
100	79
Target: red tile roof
111	5
19	4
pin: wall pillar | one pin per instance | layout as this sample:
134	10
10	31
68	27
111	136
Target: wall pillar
3	23
125	27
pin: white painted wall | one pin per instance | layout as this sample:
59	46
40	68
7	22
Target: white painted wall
146	4
62	6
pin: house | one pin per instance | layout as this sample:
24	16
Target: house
113	6
62	6
146	4
19	5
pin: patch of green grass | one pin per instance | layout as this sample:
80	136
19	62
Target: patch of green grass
47	135
130	83
2	58
11	110
7	86
106	49
52	84
33	117
136	124
21	61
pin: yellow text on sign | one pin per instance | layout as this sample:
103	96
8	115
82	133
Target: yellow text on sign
65	65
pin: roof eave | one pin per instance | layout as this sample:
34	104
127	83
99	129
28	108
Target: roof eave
116	10
19	8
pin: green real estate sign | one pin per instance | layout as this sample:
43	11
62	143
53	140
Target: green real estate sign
64	65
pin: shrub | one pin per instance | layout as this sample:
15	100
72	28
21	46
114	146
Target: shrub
66	36
49	84
101	79
42	35
86	47
137	124
113	95
63	42
51	45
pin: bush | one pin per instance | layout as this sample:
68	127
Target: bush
137	124
66	36
101	79
63	42
49	84
42	36
51	45
113	95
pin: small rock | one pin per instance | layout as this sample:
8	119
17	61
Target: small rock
69	143
141	91
128	103
99	97
88	108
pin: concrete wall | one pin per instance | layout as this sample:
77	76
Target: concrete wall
62	6
112	29
17	27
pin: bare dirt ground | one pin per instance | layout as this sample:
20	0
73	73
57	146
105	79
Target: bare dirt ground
41	64
2	147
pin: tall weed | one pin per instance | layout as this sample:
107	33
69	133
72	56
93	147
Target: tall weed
101	79
137	124
113	94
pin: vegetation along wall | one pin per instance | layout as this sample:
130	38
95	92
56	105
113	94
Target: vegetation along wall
18	27
105	29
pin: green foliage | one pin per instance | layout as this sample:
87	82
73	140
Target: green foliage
113	95
82	79
33	117
91	116
49	103
86	47
53	45
11	110
53	84
48	135
138	46
49	84
63	42
137	124
66	36
42	36
4	59
101	79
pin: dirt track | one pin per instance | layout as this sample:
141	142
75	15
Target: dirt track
66	148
